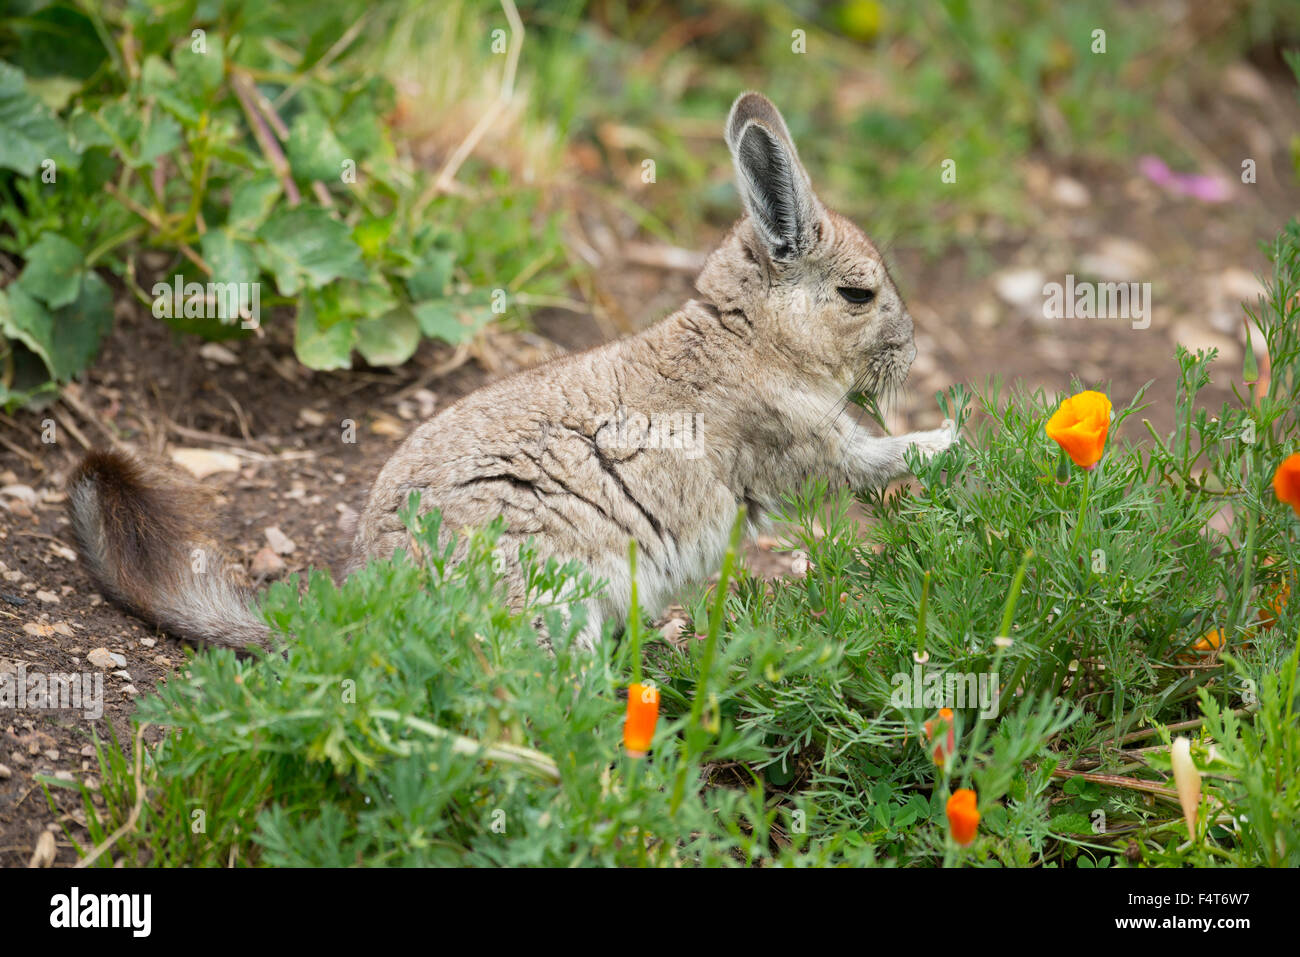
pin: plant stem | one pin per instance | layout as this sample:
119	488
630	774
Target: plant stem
634	616
694	734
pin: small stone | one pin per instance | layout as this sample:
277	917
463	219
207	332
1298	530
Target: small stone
1195	335
103	659
5	772
204	462
1241	285
280	543
1067	191
1019	287
45	852
215	352
1118	260
266	562
312	417
23	493
47	596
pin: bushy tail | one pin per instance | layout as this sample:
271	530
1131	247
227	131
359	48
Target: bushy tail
143	537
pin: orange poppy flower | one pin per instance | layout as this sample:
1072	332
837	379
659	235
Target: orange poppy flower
1213	641
1080	427
1286	481
642	715
963	818
949	744
1268	616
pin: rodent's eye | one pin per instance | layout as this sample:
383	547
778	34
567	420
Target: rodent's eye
855	295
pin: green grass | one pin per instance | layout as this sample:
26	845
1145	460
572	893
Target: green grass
411	720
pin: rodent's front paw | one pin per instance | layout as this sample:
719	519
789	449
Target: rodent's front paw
936	440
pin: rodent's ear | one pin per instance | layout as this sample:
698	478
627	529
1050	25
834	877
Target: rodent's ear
772	182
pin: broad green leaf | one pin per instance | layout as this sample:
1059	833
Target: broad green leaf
314	151
251	202
160	83
29	132
65	339
372	234
231	260
201	73
429	280
53	270
161	136
85	131
321	348
58	41
54	91
308	247
368	300
438	321
26	320
389	340
80	327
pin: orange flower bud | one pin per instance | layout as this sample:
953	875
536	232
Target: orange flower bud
1080	427
963	818
642	715
1187	780
1286	481
949	744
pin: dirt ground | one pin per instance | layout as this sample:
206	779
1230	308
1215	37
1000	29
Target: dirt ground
977	309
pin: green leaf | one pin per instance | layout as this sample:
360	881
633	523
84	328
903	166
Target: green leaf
322	348
29	132
372	234
314	151
251	202
160	137
201	73
58	41
159	82
26	320
85	131
389	340
65	339
429	280
80	327
306	247
231	260
438	321
53	270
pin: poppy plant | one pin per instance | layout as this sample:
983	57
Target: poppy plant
1080	426
642	715
1286	481
948	744
963	817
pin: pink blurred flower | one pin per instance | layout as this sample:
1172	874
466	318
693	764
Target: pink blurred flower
1208	189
